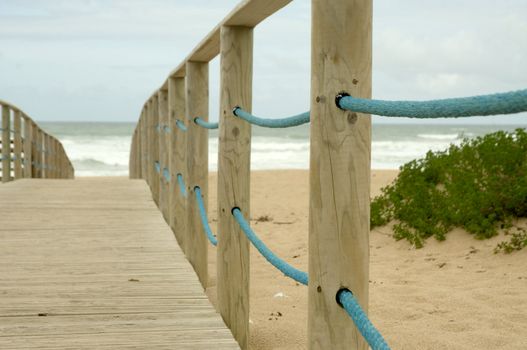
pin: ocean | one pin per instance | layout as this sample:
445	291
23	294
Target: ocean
102	149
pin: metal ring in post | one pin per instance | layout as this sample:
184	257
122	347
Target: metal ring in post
339	97
235	109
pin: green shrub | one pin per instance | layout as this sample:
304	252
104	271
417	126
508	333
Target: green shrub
517	241
479	185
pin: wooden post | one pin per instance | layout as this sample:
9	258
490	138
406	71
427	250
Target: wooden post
151	129
176	110
27	147
144	144
197	105
6	144
17	144
34	150
339	170
45	155
236	60
155	148
162	97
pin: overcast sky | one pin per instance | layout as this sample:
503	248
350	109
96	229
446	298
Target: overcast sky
98	60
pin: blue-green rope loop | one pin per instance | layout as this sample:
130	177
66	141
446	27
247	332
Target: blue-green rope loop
158	127
272	123
167	129
181	125
204	124
284	267
364	325
166	174
157	166
203	215
483	105
346	298
181	184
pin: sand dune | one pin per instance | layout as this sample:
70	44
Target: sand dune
455	294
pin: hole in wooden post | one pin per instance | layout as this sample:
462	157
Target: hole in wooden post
339	293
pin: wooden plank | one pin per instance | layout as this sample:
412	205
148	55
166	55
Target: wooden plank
234	175
28	139
101	278
197	105
248	13
6	143
339	171
176	110
17	144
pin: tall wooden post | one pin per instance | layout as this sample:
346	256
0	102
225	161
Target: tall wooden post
151	130
34	149
234	159
17	144
339	170
144	143
155	148
197	105
162	99
28	157
6	144
176	110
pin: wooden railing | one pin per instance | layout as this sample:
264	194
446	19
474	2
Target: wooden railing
339	166
29	152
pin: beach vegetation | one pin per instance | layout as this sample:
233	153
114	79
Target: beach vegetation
479	185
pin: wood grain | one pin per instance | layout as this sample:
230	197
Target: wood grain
197	105
339	171
6	143
94	258
234	173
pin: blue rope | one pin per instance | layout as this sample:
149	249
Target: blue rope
181	183
203	216
364	325
167	129
166	174
157	166
272	123
502	103
205	124
158	128
181	125
285	268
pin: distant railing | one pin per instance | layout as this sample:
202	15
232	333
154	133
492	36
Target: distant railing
29	152
172	135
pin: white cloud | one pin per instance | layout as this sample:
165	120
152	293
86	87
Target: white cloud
66	59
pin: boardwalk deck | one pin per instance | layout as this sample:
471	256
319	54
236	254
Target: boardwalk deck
91	264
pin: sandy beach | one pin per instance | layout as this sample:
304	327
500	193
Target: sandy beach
455	294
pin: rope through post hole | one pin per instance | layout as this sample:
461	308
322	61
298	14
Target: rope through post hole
203	217
181	184
483	105
364	325
204	124
166	174
272	123
181	125
157	166
285	268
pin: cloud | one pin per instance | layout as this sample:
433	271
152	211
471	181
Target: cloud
92	53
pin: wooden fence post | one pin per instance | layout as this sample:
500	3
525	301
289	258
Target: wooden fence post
27	147
17	144
339	170
144	139
34	150
197	105
176	110
155	148
162	97
6	143
151	129
236	61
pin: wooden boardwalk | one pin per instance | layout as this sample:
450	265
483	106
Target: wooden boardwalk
91	264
